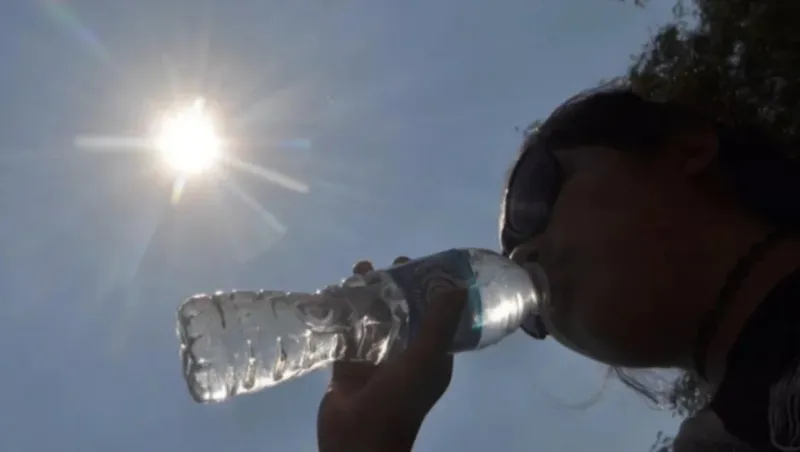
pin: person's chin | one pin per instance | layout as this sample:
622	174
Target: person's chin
559	311
558	329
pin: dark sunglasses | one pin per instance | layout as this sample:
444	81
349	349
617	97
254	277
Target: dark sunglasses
530	195
531	192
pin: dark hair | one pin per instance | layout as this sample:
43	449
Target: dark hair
762	175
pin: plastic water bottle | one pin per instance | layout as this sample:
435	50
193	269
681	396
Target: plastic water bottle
243	341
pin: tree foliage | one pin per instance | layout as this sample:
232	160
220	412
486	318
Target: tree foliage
734	59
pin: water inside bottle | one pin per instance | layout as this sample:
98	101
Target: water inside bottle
240	342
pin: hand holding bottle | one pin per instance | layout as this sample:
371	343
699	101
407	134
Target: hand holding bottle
381	408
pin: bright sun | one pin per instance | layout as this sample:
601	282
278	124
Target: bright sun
187	141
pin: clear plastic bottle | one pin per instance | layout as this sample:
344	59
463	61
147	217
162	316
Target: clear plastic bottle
240	342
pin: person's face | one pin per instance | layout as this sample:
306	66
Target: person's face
612	253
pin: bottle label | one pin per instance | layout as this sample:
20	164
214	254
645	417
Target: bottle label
422	280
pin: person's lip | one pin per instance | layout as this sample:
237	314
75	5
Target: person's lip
522	256
540	282
534	323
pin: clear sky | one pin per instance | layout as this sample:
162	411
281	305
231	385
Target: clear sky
399	117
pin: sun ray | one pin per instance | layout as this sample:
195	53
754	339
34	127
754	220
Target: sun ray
110	143
144	229
124	257
64	15
121	333
268	175
251	229
263	213
177	189
297	143
227	226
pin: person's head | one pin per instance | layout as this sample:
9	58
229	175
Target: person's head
636	210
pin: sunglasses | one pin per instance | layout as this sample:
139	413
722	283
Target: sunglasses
531	192
530	195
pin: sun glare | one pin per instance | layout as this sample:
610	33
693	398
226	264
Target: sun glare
187	141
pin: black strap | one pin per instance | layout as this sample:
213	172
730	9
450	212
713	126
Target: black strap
710	323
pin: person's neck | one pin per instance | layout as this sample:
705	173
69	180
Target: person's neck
728	240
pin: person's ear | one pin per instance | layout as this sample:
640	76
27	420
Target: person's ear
696	150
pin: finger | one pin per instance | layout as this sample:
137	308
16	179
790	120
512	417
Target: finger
427	358
362	267
439	325
401	260
349	377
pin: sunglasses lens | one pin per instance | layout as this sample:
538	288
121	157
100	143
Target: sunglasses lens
531	194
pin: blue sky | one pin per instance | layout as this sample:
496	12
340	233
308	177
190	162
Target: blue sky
399	116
